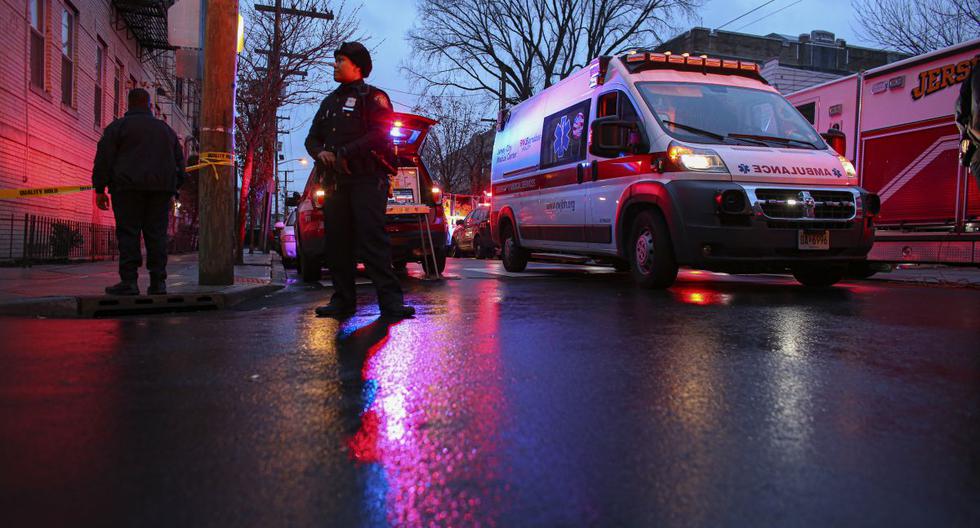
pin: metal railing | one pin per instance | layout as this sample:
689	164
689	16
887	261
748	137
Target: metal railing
28	239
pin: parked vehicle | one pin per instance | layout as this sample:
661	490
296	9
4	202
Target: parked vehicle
286	238
405	231
472	235
897	124
657	160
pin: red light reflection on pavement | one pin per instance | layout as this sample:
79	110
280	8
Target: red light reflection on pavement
428	434
701	296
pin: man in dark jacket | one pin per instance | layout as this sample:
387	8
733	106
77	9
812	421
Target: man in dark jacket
968	121
140	160
348	139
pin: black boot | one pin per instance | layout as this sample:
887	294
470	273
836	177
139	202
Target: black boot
397	311
157	287
335	310
123	288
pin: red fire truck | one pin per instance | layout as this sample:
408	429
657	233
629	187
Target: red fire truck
899	131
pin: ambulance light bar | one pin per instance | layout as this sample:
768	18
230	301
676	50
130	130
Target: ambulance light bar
639	60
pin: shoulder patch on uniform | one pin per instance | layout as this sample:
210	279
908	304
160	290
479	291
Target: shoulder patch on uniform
381	99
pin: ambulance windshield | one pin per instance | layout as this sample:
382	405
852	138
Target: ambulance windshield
712	113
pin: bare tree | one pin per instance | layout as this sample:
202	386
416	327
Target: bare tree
306	47
446	152
470	45
917	27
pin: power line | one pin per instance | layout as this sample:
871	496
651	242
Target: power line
430	95
743	15
769	15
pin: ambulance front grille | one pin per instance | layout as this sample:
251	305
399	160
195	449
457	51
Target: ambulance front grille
789	203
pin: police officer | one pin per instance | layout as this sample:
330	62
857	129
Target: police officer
968	120
348	139
140	160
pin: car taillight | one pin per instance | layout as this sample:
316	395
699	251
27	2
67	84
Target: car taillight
319	197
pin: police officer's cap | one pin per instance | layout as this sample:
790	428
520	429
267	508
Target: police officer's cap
358	54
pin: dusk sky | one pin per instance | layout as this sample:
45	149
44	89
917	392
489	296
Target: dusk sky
388	21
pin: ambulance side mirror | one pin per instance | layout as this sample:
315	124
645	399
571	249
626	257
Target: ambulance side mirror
612	137
293	200
836	139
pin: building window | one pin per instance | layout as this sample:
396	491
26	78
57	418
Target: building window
179	95
37	43
69	18
99	81
117	90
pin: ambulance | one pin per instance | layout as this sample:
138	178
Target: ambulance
898	127
650	161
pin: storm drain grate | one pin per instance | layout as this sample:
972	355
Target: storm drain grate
147	304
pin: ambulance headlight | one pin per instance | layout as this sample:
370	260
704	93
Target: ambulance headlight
696	159
848	167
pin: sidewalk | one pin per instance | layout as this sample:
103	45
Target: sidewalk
65	290
931	275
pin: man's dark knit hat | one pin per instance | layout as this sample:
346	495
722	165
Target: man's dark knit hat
358	54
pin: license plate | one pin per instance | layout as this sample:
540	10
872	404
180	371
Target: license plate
809	239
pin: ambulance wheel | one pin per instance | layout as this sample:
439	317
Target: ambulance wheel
862	270
819	276
651	254
440	262
513	256
309	268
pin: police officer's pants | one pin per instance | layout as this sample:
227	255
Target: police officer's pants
146	213
354	220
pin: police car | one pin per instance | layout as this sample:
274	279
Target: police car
649	161
408	132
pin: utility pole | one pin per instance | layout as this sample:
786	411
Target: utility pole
216	265
285	192
503	93
277	78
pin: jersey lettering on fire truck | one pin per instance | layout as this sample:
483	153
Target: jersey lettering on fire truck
936	79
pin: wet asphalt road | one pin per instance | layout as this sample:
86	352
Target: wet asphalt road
562	397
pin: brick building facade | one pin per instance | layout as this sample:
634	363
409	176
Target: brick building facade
789	63
66	68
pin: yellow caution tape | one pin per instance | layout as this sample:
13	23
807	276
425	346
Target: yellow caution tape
42	191
213	160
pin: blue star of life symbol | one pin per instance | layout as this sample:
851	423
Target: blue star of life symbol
837	173
743	168
562	129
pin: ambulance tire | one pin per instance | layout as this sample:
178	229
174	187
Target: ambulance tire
819	276
651	253
513	256
861	270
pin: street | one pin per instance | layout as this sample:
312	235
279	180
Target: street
558	397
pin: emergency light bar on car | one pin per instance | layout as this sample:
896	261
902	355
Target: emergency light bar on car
646	60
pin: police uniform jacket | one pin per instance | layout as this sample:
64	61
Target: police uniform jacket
138	152
354	120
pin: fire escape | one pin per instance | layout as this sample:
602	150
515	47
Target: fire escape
145	21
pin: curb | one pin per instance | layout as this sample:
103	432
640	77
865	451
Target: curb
76	307
57	307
